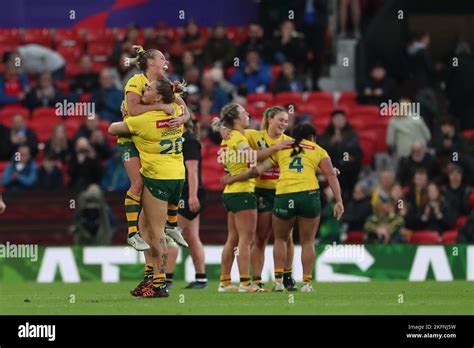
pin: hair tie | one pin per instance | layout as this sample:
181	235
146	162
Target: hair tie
174	86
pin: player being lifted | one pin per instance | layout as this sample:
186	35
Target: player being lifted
297	198
274	125
154	66
162	169
239	197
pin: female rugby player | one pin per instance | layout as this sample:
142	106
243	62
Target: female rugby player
239	198
159	146
274	125
297	198
154	65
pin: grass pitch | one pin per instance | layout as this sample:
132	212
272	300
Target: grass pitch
377	297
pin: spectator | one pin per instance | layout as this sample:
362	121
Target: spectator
397	196
456	193
420	63
466	233
355	16
13	86
416	195
289	46
418	157
192	41
405	129
449	145
115	177
385	225
254	42
20	134
123	70
88	127
87	81
378	88
342	144
460	85
252	76
84	167
92	221
288	80
358	209
435	214
58	147
219	50
383	189
37	59
158	39
209	87
21	173
50	176
108	98
185	62
99	142
126	44
45	94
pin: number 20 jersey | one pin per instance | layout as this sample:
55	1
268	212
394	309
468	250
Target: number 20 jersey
159	145
298	173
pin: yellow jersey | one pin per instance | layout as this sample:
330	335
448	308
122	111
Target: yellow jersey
298	173
235	162
260	140
136	84
160	147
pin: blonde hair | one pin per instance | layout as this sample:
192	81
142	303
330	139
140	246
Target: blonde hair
271	112
229	113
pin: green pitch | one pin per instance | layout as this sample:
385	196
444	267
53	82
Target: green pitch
378	297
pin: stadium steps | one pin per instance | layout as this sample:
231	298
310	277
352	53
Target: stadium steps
341	77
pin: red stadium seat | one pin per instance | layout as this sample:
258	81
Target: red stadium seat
289	98
100	49
275	70
3	165
6	114
425	237
320	98
67	38
38	36
471	199
72	69
348	98
260	97
468	133
355	237
367	143
44	113
72	125
64	86
102	35
70	53
43	127
449	237
307	109
321	122
460	222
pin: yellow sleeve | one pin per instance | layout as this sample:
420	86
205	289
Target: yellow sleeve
134	85
249	133
133	124
321	153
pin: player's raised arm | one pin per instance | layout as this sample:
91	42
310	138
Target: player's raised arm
119	128
331	175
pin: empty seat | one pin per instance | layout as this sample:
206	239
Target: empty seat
260	97
449	237
289	98
44	113
425	237
460	222
320	98
355	237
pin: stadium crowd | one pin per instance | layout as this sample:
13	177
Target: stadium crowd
425	187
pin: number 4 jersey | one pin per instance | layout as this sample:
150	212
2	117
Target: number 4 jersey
159	145
298	173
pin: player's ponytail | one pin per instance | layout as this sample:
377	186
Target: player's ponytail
229	113
270	112
141	60
303	131
168	89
